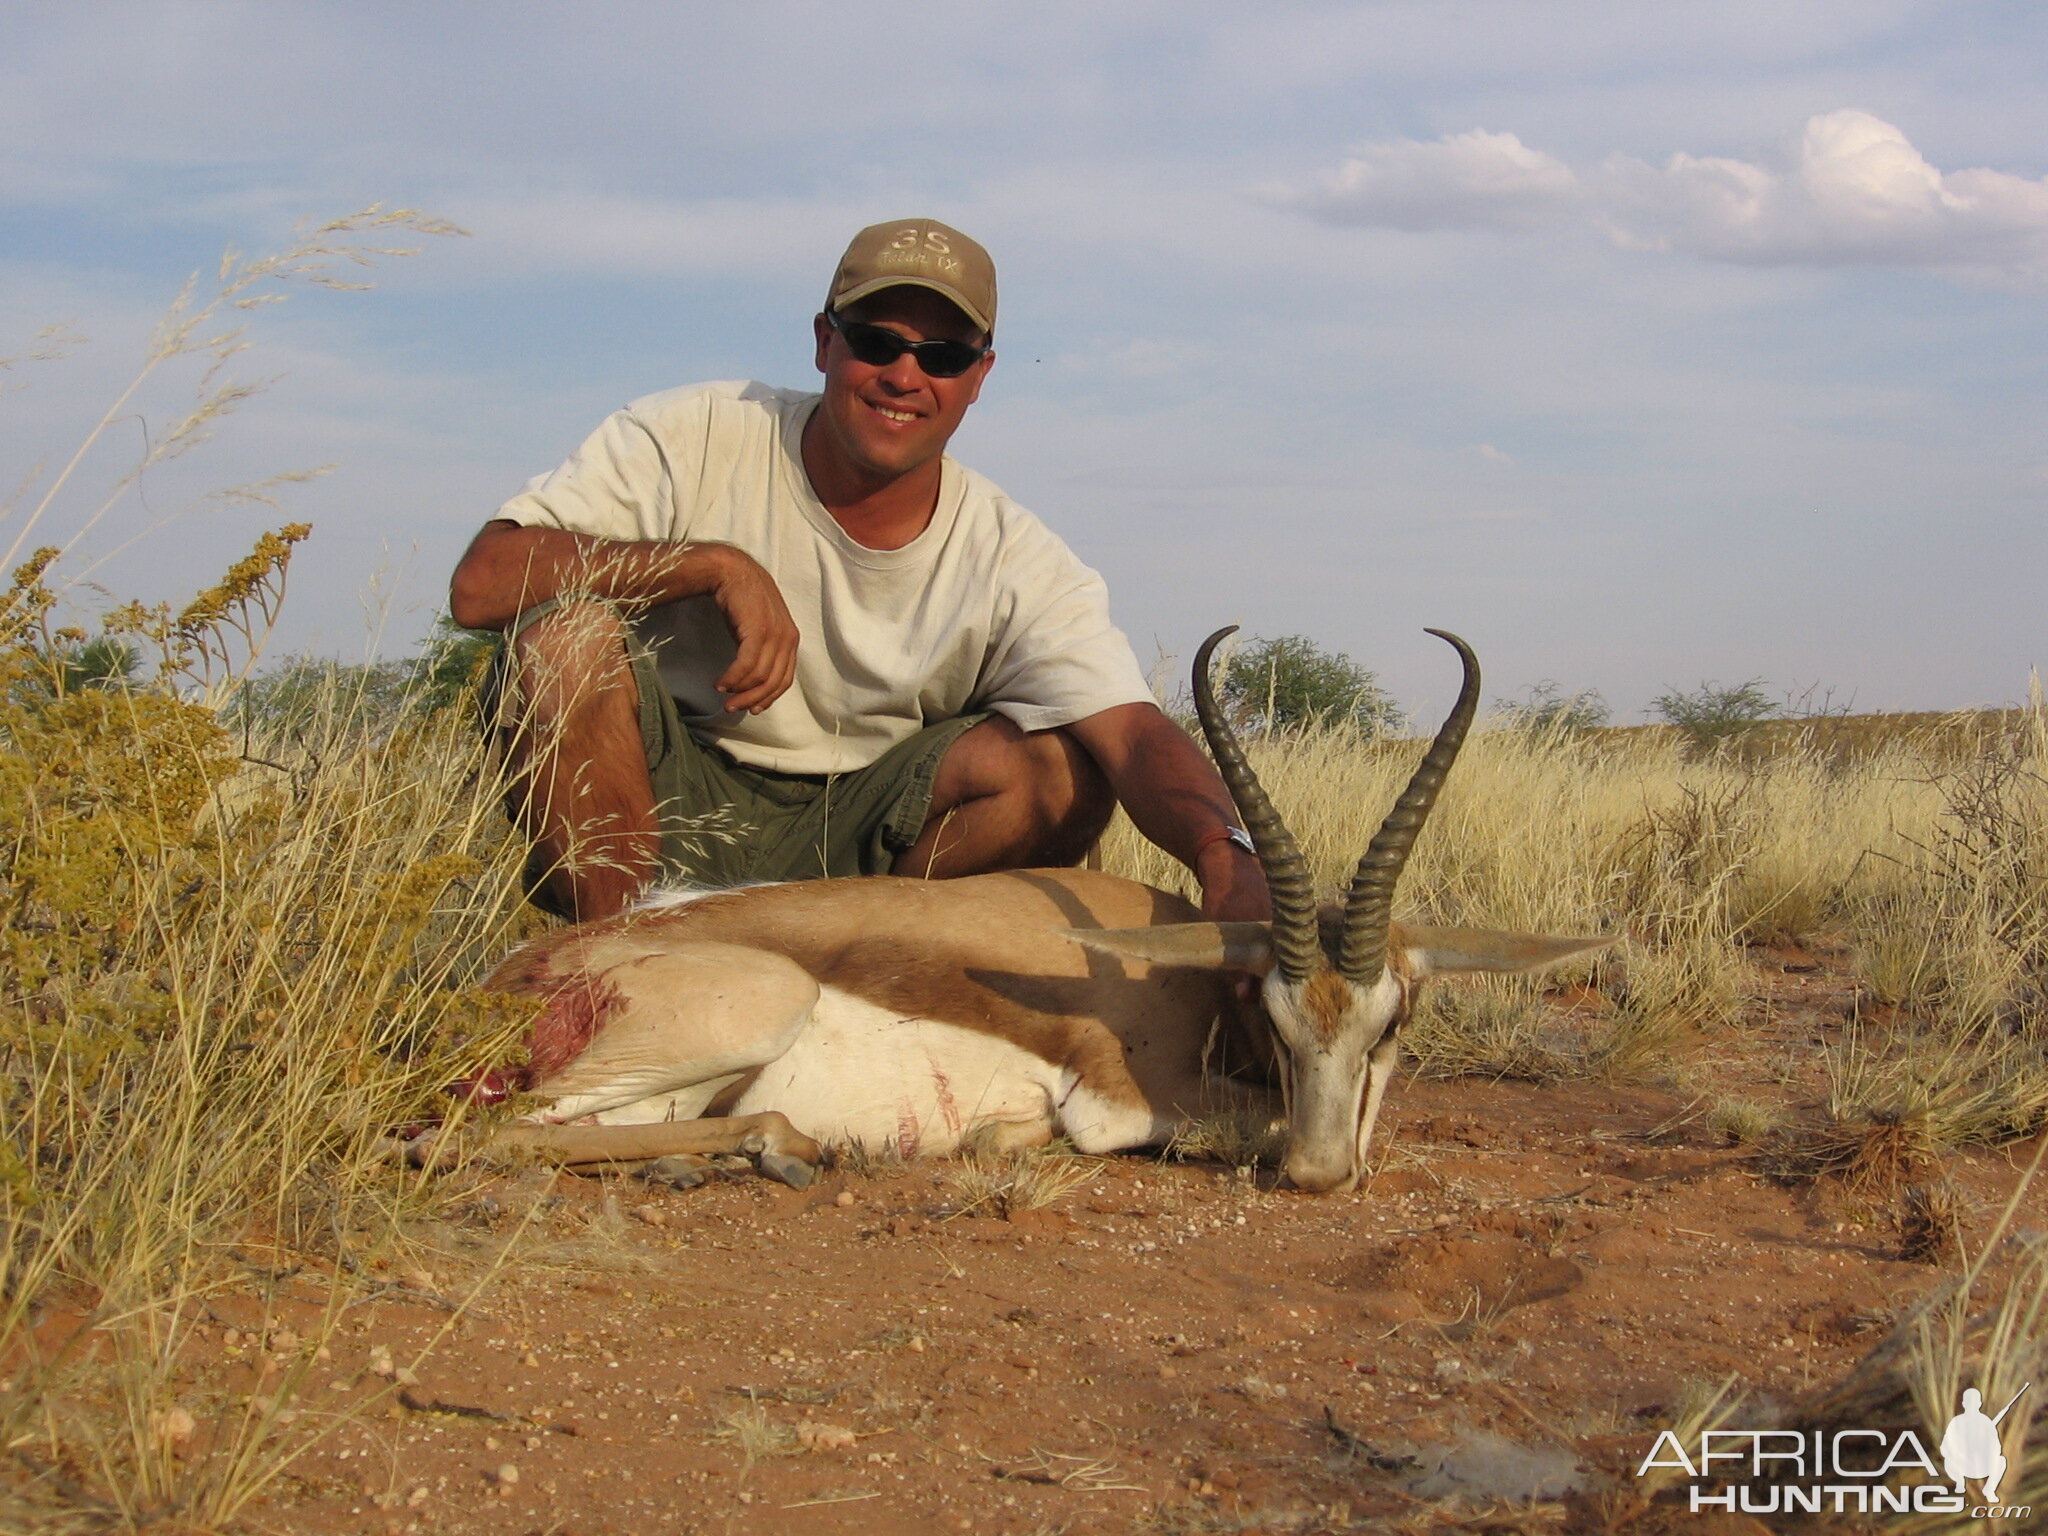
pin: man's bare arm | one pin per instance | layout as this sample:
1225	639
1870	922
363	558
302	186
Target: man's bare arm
509	568
1172	793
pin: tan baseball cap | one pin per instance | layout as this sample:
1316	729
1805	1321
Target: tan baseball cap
922	253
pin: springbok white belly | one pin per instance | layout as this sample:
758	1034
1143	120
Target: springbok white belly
860	1073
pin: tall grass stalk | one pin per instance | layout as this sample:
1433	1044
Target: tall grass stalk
1999	1351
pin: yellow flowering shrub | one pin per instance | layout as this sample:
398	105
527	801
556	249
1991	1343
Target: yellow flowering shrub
229	963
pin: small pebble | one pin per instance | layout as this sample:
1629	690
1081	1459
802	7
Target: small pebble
678	1171
173	1427
844	1197
824	1437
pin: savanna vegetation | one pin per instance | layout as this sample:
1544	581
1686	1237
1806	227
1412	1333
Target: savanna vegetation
243	911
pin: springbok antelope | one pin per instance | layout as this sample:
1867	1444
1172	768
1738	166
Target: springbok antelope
998	1009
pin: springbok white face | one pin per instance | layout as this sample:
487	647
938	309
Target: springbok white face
1338	983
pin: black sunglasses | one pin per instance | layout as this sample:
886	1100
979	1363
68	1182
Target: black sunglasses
878	348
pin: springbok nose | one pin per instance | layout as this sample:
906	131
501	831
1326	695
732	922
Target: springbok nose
1317	1175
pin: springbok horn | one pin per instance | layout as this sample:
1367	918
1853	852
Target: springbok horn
1296	947
1369	908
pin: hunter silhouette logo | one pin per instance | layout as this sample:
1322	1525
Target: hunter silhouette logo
1970	1446
1845	1471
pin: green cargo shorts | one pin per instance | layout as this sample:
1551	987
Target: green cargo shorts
724	824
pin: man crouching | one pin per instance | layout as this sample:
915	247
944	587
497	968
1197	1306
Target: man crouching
794	613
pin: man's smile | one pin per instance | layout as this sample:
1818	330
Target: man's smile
893	412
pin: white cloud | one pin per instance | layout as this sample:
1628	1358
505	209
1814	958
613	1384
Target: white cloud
1850	190
1464	180
1245	407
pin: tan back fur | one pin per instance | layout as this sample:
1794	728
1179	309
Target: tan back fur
987	952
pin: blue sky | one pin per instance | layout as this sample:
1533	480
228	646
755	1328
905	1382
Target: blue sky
1640	344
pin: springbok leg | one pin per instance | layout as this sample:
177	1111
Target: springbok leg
783	1151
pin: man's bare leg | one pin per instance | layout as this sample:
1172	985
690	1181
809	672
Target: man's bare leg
1010	799
580	788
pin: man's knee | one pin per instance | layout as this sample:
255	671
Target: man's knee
567	656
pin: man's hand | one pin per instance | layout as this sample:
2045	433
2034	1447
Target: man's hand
1234	891
753	607
1171	790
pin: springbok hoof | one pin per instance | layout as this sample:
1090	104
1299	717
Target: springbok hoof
433	1151
793	1171
679	1170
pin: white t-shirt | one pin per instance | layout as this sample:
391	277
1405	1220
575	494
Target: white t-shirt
986	609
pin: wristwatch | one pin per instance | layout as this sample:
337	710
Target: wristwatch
1215	835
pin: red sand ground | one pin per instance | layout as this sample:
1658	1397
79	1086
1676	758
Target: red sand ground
1531	1281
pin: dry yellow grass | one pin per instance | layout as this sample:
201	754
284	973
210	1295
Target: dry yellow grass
989	1183
290	969
285	980
1606	831
227	964
1930	867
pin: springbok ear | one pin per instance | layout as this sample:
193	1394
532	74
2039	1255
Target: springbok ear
1204	946
1431	950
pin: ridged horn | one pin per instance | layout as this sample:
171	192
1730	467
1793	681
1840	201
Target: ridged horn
1369	908
1296	948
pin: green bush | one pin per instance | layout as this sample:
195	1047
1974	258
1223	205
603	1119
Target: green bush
1714	712
1545	706
302	691
1291	684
